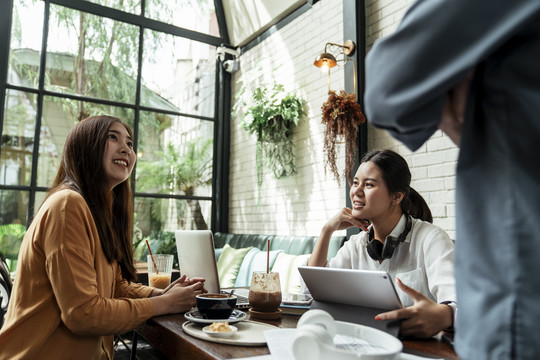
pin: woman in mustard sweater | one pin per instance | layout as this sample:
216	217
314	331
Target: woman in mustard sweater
74	287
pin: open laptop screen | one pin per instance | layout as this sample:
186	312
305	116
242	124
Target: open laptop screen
196	258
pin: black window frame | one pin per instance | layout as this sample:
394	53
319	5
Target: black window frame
221	118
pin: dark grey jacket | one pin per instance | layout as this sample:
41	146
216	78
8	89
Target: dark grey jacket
408	75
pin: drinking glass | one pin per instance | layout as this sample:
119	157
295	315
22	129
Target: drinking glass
265	292
159	270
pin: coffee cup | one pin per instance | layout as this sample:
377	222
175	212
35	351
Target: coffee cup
215	306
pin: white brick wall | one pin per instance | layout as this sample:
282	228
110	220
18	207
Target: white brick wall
303	203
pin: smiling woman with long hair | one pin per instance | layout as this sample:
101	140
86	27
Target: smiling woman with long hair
74	284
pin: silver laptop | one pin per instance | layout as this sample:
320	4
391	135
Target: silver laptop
196	258
372	289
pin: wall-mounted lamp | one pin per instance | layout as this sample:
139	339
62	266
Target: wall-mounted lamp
326	60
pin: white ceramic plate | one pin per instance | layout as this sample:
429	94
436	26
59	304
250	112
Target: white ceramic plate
220	334
195	317
250	333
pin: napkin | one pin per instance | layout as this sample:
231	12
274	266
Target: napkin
279	343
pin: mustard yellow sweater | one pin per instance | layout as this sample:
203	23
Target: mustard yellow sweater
67	300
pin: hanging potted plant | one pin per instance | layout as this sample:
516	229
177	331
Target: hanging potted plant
271	114
341	115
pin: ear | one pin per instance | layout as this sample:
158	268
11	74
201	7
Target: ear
397	197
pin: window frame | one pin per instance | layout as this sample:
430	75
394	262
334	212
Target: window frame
221	118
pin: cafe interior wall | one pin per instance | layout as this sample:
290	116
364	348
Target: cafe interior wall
301	204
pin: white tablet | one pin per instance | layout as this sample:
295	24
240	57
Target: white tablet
374	289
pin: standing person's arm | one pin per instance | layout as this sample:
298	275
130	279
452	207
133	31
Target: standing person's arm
341	221
410	73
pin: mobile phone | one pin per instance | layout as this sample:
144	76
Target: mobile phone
296	299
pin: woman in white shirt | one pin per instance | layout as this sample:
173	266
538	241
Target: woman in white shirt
398	238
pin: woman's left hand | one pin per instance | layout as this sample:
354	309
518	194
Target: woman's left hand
424	319
183	281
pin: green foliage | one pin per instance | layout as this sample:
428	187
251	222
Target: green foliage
183	172
272	115
341	115
104	65
179	173
161	242
11	236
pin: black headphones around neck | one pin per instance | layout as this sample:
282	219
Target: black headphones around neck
379	251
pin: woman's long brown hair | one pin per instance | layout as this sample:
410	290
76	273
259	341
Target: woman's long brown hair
80	171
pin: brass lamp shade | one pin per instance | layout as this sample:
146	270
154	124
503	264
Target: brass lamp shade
325	59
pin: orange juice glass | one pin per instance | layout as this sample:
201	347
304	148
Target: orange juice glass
159	275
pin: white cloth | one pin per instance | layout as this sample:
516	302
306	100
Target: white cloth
424	261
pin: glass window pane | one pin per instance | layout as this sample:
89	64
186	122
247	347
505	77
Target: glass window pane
156	220
133	7
175	155
12	223
197	15
25	49
58	118
40	197
91	56
17	138
179	75
14	206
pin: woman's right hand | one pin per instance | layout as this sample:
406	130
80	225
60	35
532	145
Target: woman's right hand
178	298
344	220
341	221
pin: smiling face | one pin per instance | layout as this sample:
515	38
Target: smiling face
118	157
369	194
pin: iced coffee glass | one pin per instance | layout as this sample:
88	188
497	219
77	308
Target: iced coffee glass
265	295
159	270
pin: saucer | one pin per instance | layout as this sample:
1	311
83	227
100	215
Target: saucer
195	317
272	315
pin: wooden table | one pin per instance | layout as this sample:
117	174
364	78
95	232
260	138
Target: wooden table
165	334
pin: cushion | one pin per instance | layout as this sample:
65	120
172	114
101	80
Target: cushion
228	264
287	267
218	252
255	260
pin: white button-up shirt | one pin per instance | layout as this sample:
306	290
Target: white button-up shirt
424	261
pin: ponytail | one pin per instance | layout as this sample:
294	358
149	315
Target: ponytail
414	204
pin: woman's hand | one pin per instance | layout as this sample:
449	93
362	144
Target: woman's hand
423	319
177	297
182	298
182	281
185	281
344	220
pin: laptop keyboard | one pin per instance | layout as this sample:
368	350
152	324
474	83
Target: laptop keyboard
241	300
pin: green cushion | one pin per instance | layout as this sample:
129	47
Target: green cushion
255	260
228	264
287	267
